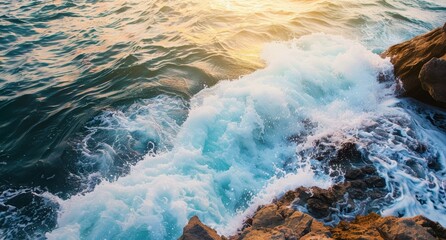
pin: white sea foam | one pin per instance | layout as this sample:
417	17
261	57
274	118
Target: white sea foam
276	187
121	136
232	149
417	178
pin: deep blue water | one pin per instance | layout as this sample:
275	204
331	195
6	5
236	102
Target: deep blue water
89	89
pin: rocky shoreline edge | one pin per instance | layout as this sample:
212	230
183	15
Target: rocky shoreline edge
420	68
283	223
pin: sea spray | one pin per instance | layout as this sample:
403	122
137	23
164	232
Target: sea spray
234	141
275	188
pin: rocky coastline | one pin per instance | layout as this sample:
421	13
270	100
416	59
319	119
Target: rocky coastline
420	68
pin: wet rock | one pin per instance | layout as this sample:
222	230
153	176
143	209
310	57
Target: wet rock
317	207
353	174
347	155
196	230
434	163
282	219
361	184
375	181
417	169
433	78
410	57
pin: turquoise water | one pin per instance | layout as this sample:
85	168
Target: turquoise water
118	120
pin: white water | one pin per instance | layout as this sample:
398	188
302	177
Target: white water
234	143
119	137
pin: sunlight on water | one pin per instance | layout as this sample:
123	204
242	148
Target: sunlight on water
117	116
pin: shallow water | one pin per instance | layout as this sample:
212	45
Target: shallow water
90	89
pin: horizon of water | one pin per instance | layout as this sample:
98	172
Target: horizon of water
123	119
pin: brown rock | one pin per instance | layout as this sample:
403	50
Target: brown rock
362	184
433	78
432	227
196	230
300	223
409	57
279	221
263	234
373	226
267	217
297	225
393	228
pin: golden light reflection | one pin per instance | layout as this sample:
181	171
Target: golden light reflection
235	31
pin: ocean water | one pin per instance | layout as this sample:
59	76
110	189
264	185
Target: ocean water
123	119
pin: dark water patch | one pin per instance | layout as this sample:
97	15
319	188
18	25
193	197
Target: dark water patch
26	213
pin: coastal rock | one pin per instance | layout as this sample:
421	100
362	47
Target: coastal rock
373	226
279	221
196	230
433	78
422	52
297	225
361	184
267	217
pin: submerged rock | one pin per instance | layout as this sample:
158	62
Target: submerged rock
420	65
361	185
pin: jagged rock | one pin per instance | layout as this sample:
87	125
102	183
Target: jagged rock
297	225
411	56
347	154
373	226
196	230
279	221
434	228
362	183
267	217
392	228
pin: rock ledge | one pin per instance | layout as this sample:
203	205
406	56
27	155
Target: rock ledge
420	64
283	223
